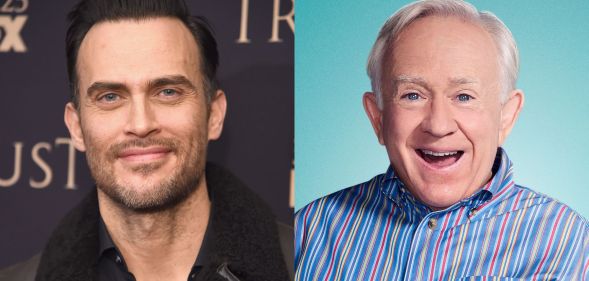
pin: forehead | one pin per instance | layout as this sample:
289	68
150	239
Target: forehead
135	50
448	46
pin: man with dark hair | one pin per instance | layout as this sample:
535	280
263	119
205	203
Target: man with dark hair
145	103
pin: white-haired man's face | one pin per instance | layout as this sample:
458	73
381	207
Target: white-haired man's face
442	119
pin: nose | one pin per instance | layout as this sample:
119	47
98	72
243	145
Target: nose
142	119
439	120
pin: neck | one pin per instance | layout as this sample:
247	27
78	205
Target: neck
160	245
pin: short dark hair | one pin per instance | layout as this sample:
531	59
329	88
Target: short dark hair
87	13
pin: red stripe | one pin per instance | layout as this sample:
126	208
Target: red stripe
431	273
501	233
498	243
488	184
386	230
556	223
304	239
519	195
496	195
339	237
458	219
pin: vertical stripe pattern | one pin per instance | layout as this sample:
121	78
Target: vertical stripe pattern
378	231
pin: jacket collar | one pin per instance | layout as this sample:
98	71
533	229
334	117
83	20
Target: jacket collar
245	247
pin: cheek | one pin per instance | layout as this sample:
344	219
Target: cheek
98	130
399	124
184	121
480	127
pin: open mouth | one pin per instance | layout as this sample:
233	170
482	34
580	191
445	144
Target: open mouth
440	159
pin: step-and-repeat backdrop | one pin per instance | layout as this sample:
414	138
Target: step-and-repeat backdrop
42	176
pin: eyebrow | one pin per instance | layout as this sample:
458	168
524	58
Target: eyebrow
423	83
105	86
410	79
463	80
171	80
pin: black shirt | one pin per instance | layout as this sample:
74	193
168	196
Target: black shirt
111	264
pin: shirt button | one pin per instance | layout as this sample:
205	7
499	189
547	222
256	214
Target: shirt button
432	223
472	213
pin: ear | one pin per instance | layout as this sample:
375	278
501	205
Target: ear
374	114
509	113
217	114
72	121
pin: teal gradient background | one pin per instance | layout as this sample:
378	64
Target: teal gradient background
335	145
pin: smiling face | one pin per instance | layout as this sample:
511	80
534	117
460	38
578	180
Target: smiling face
143	117
442	119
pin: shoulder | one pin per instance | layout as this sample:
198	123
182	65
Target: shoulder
24	271
556	231
345	199
286	234
246	234
324	221
230	196
546	207
333	208
547	222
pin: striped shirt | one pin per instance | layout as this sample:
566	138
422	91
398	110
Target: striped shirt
378	231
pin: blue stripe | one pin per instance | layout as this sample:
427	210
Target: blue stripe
378	231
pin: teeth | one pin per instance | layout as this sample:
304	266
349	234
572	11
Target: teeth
433	153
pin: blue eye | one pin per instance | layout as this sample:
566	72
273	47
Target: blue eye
169	92
110	97
464	97
411	96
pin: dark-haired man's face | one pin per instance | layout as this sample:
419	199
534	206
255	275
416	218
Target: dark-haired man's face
143	114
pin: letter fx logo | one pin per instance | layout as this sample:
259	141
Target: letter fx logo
10	33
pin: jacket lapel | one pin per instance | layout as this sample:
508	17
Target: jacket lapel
245	245
72	250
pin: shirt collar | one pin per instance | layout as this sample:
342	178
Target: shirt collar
501	181
394	189
502	174
104	241
106	245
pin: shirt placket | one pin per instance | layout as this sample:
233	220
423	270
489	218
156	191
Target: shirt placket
417	261
428	232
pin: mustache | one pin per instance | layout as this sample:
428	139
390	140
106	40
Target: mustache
115	150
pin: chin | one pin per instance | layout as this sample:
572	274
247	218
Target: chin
152	193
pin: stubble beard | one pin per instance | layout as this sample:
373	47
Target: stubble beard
169	192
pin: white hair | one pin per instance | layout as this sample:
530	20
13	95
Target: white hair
508	53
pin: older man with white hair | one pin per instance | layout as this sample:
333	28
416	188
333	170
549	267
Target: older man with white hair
443	102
